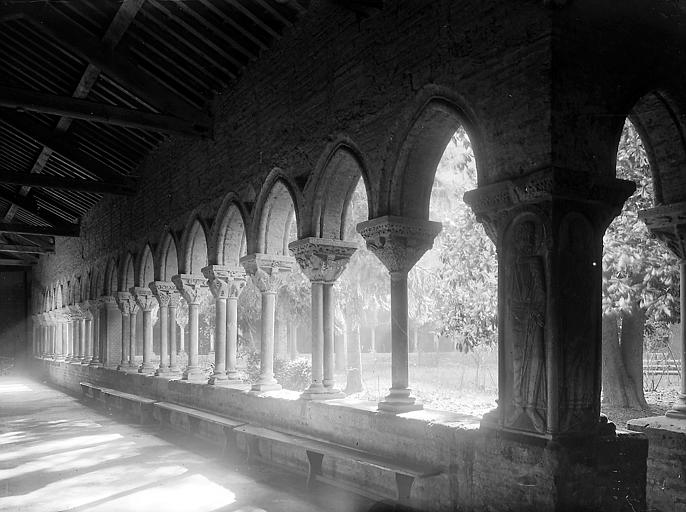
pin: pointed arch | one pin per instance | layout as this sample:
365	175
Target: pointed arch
411	163
128	273
85	286
111	278
334	180
277	198
59	296
228	236
194	247
145	272
167	258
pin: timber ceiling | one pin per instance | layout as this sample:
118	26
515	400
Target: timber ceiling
89	87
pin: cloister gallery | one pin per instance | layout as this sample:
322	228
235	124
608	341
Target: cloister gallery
155	152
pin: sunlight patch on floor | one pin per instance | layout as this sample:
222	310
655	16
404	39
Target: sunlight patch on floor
14	388
50	446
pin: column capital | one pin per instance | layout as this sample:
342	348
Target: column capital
163	292
76	312
189	285
225	282
399	242
107	301
144	298
601	196
322	260
127	303
267	271
668	224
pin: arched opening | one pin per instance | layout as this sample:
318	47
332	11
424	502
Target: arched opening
195	259
146	275
169	261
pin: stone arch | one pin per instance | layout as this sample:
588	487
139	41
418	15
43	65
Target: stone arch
228	238
278	197
411	163
194	247
657	118
78	291
97	284
59	296
167	258
111	278
335	178
85	286
145	270
128	273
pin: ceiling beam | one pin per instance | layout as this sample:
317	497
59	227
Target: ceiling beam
77	108
6	262
61	144
26	249
71	230
120	69
60	183
30	205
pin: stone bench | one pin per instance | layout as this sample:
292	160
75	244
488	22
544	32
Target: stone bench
405	471
138	407
165	412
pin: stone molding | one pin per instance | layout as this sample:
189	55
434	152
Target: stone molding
76	313
190	285
225	282
668	224
267	271
322	260
399	242
163	291
144	298
127	303
108	301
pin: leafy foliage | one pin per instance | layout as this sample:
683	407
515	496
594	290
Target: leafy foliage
295	375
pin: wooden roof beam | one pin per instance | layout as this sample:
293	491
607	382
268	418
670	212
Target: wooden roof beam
70	230
60	183
31	206
120	69
25	249
62	145
6	262
77	108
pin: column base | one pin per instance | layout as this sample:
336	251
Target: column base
399	401
218	379
233	375
162	372
260	387
85	361
122	367
59	358
146	368
194	374
332	393
678	410
95	364
314	392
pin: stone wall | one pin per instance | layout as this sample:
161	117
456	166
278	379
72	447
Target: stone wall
13	314
483	469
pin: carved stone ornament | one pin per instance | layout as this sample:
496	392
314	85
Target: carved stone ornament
108	301
493	203
224	282
163	291
322	260
123	302
190	285
399	242
75	312
267	271
144	297
668	224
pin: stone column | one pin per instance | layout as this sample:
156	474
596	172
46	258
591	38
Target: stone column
174	299
236	286
267	272
65	332
58	320
95	308
218	281
86	330
133	314
399	242
322	261
68	334
668	224
190	287
109	306
163	291
146	302
77	316
548	228
123	302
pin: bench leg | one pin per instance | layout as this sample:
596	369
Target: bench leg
253	451
229	442
193	424
315	467
404	483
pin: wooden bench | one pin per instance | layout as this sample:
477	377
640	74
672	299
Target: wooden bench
164	410
136	406
405	471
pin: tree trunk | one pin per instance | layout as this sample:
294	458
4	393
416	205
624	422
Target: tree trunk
292	339
633	325
618	388
354	381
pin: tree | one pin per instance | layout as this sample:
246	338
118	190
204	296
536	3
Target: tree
640	282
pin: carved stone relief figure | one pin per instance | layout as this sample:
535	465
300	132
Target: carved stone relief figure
579	319
525	320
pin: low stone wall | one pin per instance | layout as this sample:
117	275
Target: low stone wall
485	469
666	483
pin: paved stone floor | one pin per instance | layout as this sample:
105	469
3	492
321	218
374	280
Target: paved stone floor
56	454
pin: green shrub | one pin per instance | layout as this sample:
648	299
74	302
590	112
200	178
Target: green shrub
295	375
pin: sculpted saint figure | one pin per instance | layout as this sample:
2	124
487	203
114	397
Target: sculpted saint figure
526	317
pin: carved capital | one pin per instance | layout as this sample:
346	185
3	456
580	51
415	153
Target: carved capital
224	282
163	292
127	303
399	242
267	271
190	285
108	301
668	224
144	298
75	312
322	260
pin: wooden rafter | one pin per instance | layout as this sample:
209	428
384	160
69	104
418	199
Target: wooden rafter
60	183
6	262
25	249
29	204
76	108
71	230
